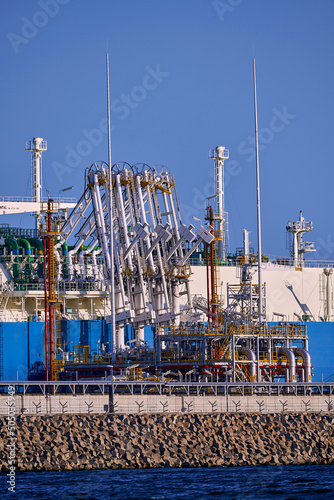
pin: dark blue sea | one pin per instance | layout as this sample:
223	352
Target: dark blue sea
249	482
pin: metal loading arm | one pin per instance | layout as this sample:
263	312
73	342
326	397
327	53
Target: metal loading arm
76	215
203	235
162	234
141	233
187	234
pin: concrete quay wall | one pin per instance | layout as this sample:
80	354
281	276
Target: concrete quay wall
67	442
39	404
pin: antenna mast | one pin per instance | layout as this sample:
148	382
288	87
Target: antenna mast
258	199
111	219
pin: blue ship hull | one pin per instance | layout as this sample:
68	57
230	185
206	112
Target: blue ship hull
23	352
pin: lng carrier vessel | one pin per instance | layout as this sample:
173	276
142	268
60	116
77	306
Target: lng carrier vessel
116	284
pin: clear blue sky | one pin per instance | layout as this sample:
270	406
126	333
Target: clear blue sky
181	83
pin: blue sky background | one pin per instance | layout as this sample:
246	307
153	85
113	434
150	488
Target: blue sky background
53	85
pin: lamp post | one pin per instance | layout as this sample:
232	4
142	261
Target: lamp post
111	389
63	190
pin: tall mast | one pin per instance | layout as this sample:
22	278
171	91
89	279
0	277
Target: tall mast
111	219
36	146
258	199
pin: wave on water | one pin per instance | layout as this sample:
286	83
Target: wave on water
246	482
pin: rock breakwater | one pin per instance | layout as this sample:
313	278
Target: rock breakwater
67	442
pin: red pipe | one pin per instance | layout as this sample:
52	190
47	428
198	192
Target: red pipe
51	341
208	281
51	298
46	314
212	263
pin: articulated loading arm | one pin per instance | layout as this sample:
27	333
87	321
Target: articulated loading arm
76	215
150	242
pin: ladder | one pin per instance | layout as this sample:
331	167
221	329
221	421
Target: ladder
225	350
3	303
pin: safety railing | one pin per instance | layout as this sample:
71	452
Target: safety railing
198	259
64	286
293	330
32	199
120	387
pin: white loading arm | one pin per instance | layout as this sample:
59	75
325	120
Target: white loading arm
141	233
162	234
187	234
94	186
89	225
203	235
76	215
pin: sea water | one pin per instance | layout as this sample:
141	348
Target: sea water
247	482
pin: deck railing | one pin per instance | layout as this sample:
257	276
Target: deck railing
100	386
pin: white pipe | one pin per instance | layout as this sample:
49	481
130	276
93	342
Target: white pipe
170	372
97	196
190	372
82	264
70	257
176	303
70	264
251	356
136	214
120	200
95	266
292	362
83	267
58	264
101	226
167	211
76	216
140	337
120	345
163	280
119	274
143	217
176	225
209	373
307	361
295	249
328	298
59	273
138	299
158	297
